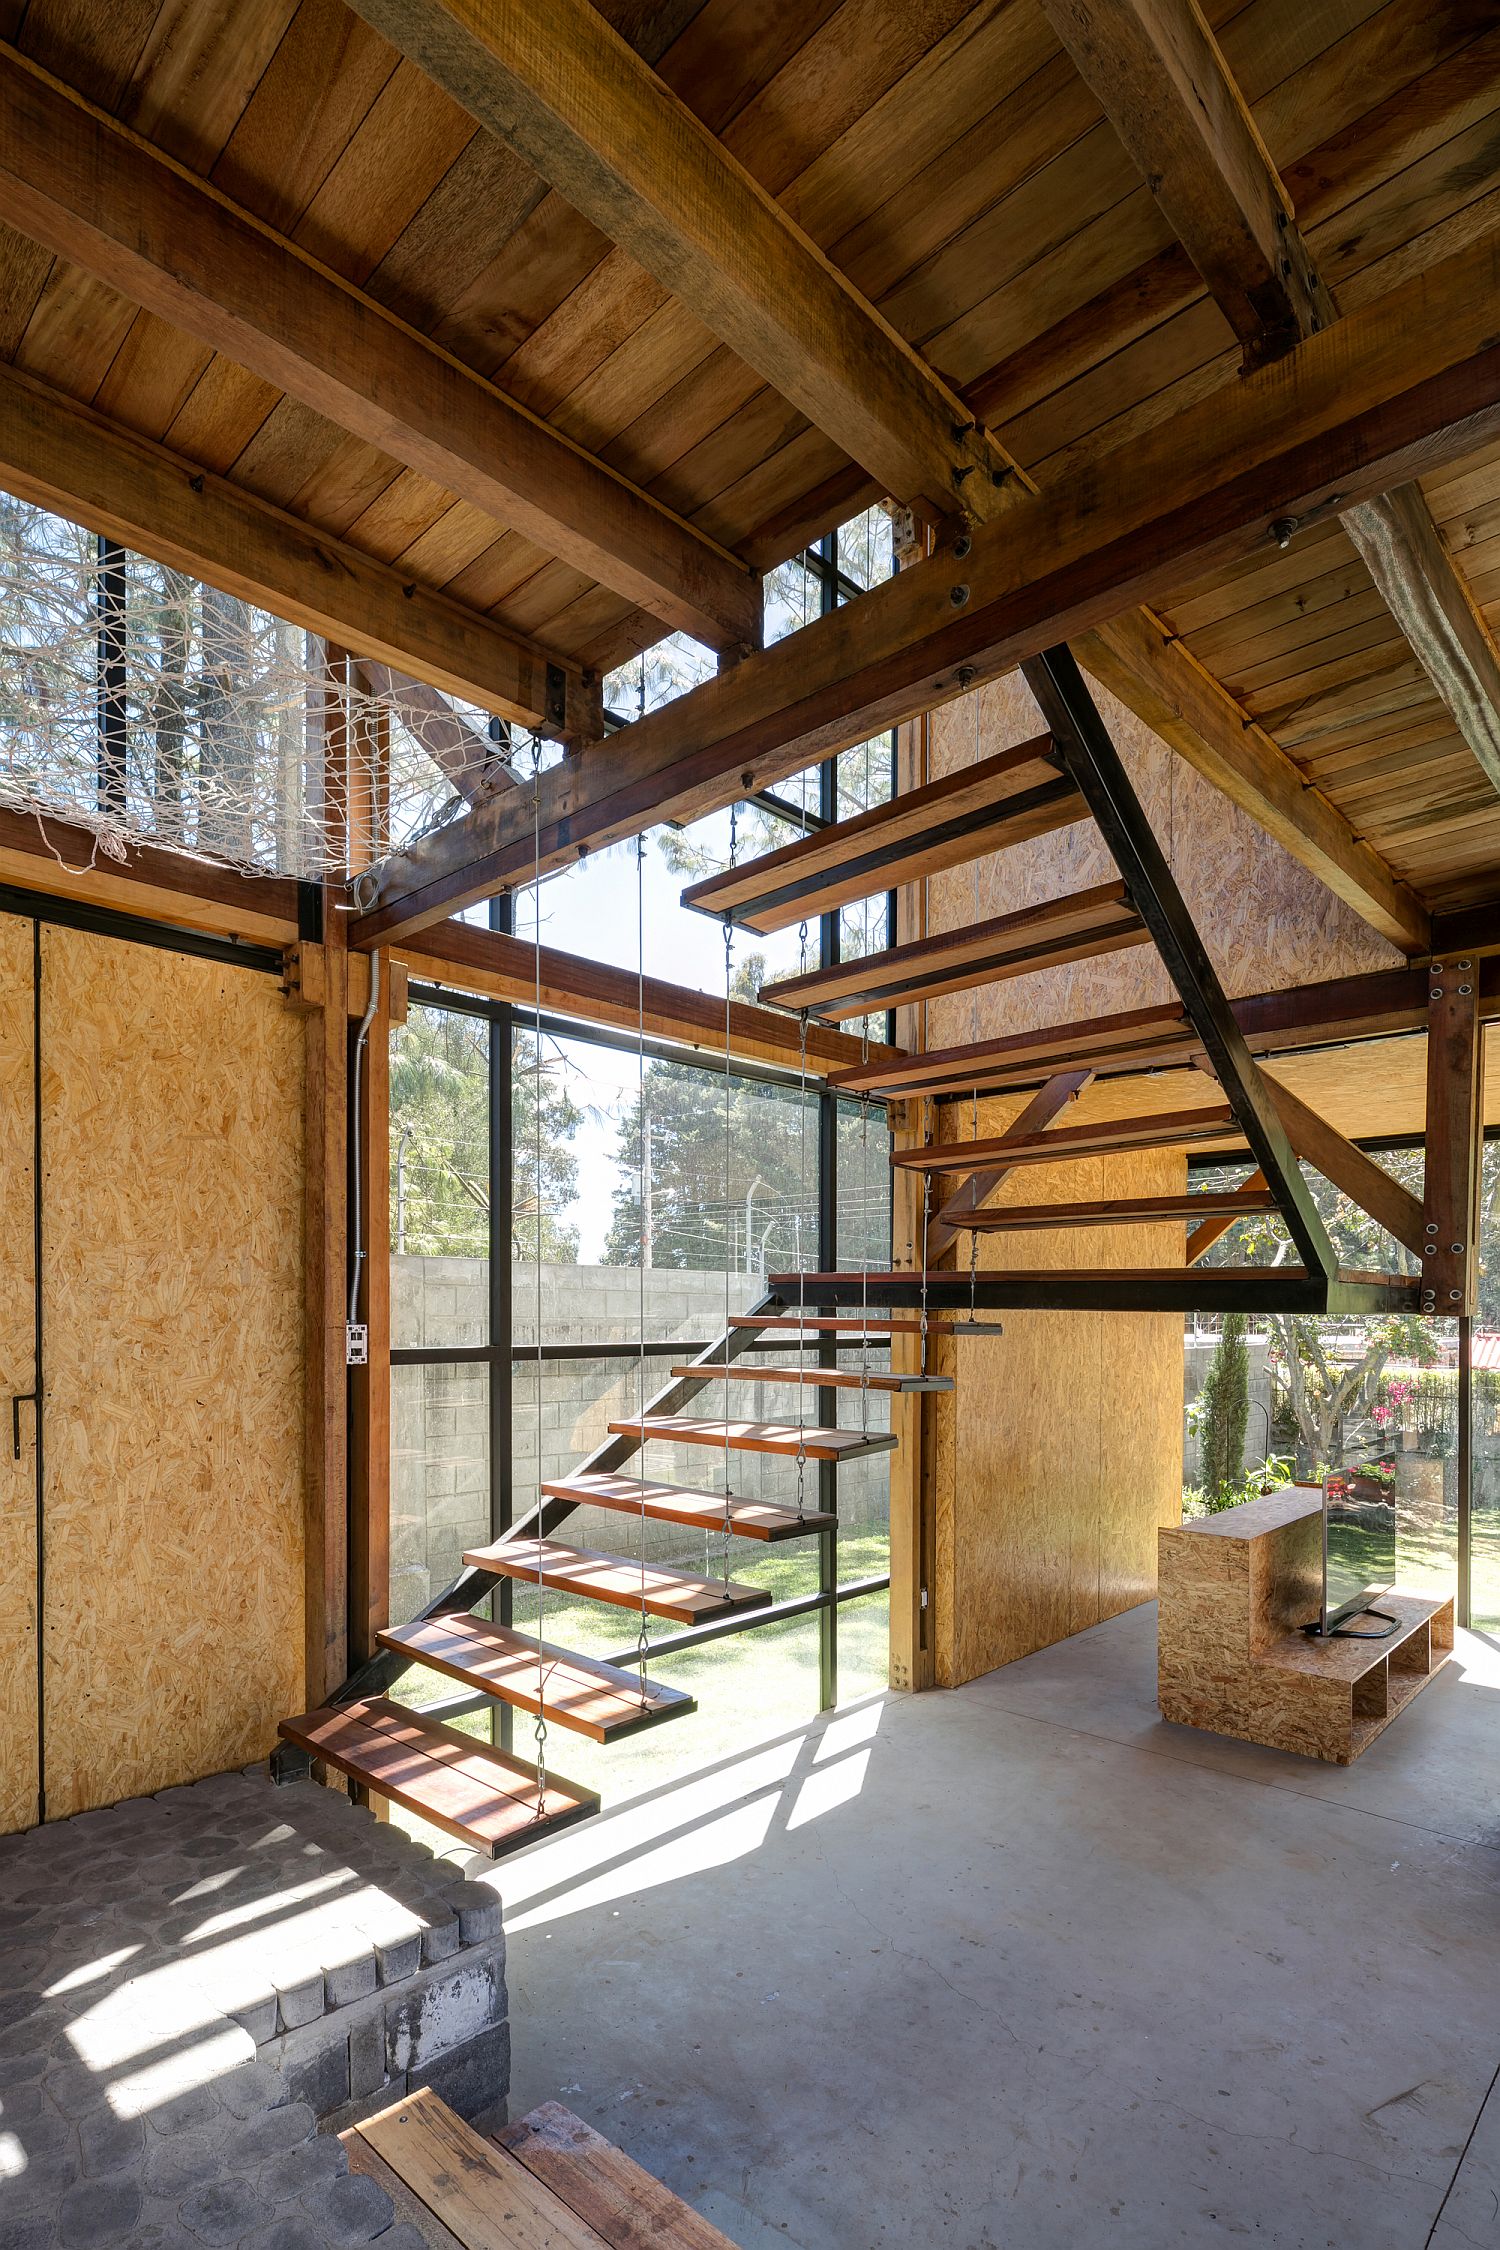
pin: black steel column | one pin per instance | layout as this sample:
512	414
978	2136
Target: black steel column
501	1310
1084	743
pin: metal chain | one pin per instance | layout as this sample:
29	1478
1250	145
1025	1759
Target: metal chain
728	1173
642	1642
540	1730
801	1214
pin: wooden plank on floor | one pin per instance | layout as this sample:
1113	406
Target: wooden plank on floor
608	2189
484	2196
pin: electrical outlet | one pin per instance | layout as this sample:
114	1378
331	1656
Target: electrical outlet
356	1344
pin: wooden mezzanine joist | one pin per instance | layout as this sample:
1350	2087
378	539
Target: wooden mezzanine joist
92	191
1167	88
1410	379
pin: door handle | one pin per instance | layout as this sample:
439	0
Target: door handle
18	1400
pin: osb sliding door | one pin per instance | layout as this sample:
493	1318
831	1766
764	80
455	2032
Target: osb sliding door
18	1764
1059	1452
172	1292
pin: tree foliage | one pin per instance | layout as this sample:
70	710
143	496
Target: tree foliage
440	1142
1225	1408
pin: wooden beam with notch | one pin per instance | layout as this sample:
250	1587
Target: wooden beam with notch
92	191
1161	80
64	456
1167	89
574	99
1408	381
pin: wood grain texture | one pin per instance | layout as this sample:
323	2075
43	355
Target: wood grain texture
604	2186
18	1713
1059	1453
172	1263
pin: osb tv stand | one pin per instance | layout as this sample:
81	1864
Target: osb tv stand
1236	1590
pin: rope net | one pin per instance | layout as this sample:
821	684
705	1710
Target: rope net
143	705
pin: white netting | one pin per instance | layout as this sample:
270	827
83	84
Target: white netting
139	703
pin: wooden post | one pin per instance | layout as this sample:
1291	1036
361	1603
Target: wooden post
370	1385
1450	1212
325	1237
911	1572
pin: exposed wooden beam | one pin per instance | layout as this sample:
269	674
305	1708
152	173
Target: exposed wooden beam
1451	1179
1406	382
1210	1231
96	193
1349	1169
1430	600
63	456
63	859
1039	1112
465	758
572	97
471	959
1167	89
1163	83
1162	682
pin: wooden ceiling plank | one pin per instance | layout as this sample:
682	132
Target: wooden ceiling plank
1167	87
575	101
1394	388
94	192
62	456
1155	676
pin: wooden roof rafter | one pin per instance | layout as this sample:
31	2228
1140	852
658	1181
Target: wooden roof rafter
1407	381
92	191
1166	86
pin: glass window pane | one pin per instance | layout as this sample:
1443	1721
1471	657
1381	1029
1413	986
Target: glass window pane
440	1479
440	1171
667	1252
864	1647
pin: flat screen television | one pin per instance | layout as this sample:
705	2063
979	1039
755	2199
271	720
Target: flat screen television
1359	1550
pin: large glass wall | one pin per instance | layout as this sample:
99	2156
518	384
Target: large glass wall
575	1210
1392	1398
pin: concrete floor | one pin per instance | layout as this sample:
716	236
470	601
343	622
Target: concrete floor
1022	1966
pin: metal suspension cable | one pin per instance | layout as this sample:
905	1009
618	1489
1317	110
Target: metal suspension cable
540	1730
642	1643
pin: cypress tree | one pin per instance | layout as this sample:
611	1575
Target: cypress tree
1226	1409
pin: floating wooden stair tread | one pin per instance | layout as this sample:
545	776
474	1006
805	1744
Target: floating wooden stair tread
676	1594
1002	800
587	1697
677	1503
758	1437
1175	1128
817	1378
486	1798
877	1328
1124	1211
1092	922
1138	1038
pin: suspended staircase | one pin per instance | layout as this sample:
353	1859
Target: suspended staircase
497	1802
489	1798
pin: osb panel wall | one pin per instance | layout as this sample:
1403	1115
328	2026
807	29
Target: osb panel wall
1265	920
17	1486
172	1263
1059	1453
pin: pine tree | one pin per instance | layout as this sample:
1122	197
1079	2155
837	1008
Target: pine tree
1225	1410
